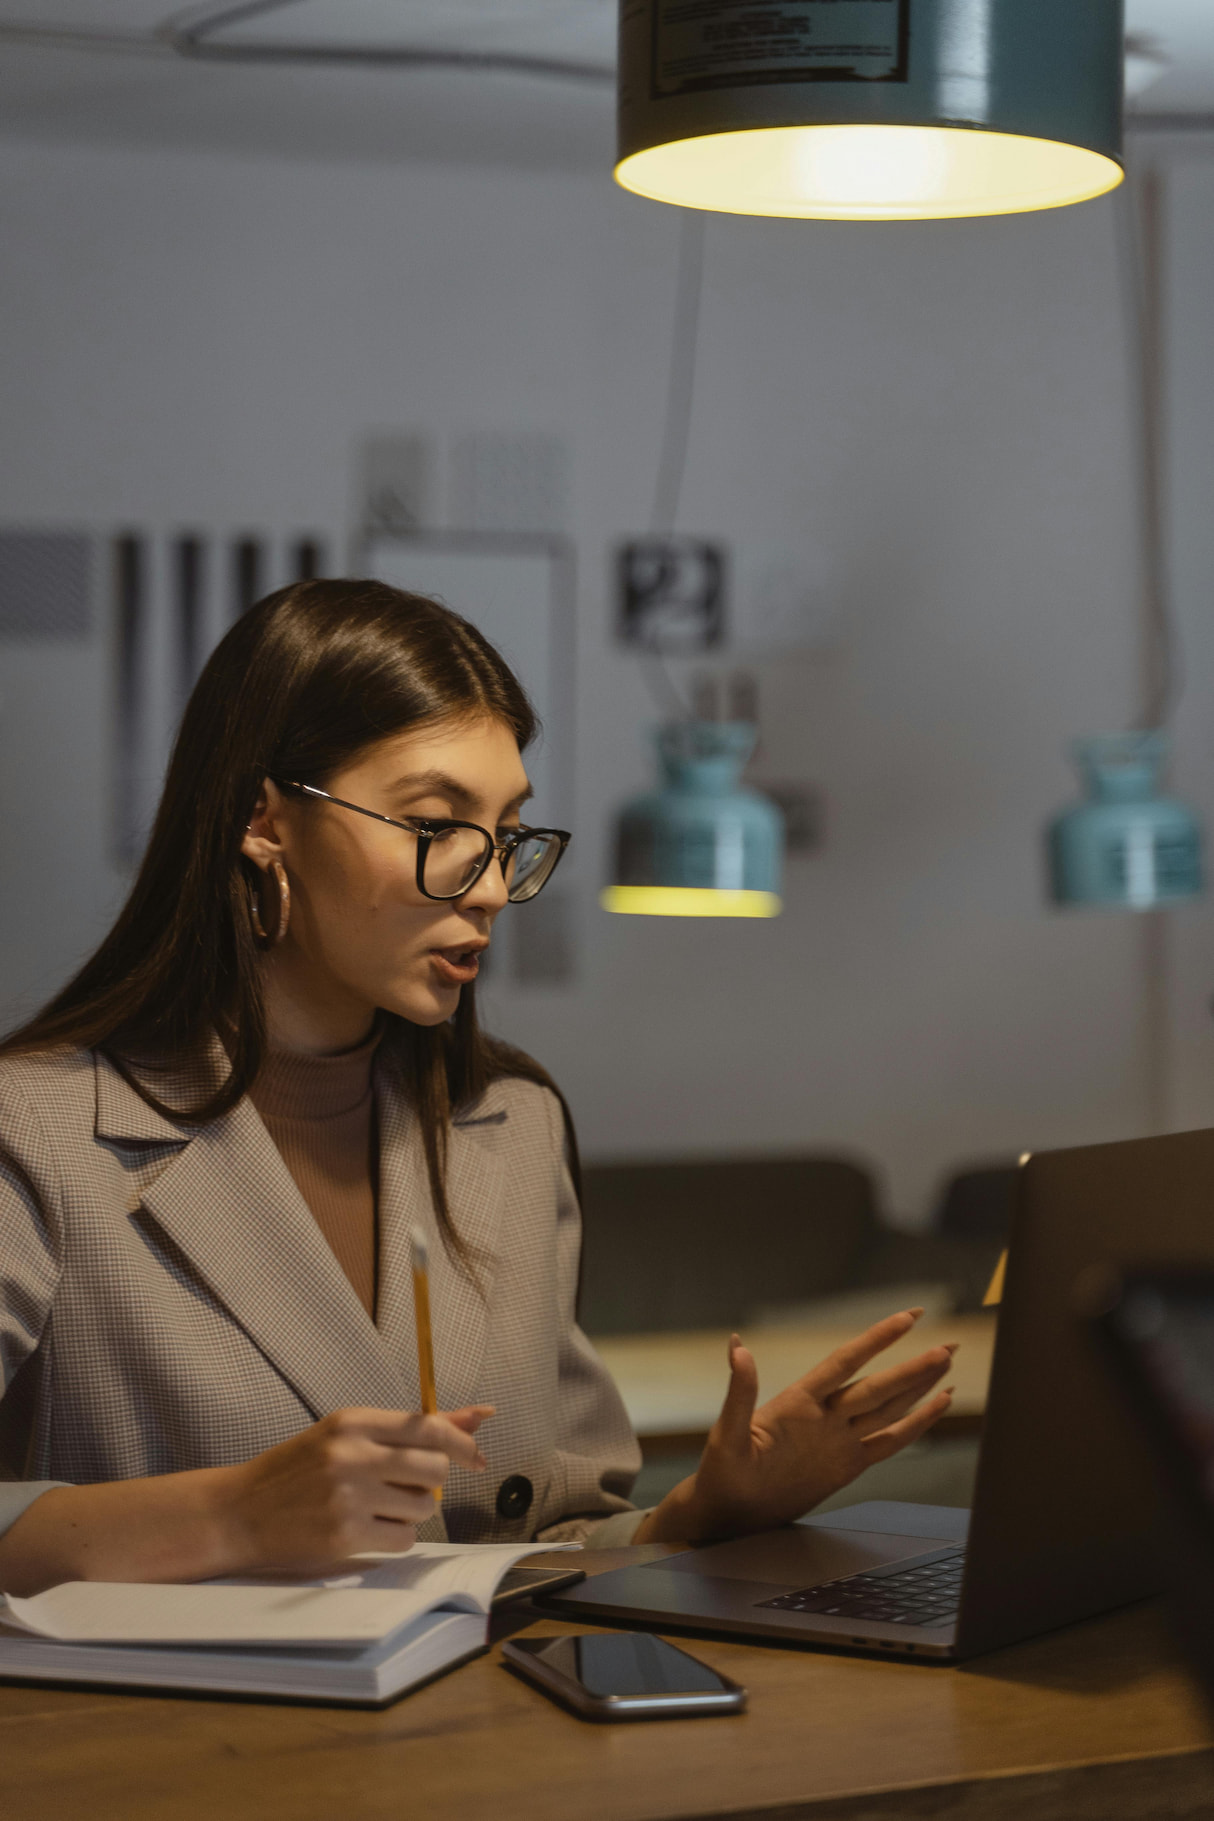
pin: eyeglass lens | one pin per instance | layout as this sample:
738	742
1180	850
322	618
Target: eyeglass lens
455	856
529	866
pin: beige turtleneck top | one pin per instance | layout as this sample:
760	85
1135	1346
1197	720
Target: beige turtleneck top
320	1112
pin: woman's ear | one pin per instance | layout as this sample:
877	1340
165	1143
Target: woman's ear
262	843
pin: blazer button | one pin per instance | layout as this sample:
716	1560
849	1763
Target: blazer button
514	1496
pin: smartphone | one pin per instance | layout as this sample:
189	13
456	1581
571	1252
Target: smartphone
623	1675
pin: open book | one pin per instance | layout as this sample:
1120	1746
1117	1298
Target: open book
365	1636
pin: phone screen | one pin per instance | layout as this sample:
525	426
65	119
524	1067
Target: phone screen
625	1663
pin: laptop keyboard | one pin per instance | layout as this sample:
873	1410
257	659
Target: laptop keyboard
926	1595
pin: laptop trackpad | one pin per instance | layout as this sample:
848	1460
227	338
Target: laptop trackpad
797	1556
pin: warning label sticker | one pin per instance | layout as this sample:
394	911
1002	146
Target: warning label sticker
700	44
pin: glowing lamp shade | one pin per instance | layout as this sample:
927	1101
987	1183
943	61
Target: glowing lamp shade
688	901
1126	846
868	173
871	110
702	845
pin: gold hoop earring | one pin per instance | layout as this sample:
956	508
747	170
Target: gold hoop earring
284	906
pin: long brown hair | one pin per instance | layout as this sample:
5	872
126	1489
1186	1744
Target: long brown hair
306	680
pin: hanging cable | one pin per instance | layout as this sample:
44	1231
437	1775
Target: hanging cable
1140	249
81	38
193	34
196	33
1140	258
681	375
676	429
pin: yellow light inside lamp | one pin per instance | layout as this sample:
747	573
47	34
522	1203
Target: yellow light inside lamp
868	173
687	901
994	1290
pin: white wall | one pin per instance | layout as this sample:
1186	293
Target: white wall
1190	414
937	413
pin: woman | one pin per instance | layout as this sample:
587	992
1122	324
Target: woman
215	1142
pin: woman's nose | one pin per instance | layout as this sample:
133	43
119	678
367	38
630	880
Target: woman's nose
489	893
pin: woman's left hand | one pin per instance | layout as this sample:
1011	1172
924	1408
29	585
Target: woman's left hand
765	1467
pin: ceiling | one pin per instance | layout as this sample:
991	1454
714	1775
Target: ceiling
522	82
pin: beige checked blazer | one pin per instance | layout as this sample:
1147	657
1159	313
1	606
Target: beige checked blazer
167	1300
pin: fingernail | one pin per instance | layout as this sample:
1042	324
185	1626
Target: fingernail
913	1313
480	1463
951	1346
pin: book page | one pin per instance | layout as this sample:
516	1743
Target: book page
114	1612
441	1569
378	1597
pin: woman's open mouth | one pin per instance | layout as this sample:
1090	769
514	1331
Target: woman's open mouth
457	966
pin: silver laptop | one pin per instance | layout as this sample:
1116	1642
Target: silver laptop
1065	1506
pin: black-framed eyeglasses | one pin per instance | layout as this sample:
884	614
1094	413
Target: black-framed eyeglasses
452	856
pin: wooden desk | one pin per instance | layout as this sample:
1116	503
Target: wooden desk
672	1384
1093	1724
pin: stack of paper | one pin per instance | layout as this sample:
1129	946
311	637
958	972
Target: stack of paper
392	1622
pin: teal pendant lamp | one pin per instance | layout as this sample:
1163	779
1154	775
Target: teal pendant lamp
1127	846
702	845
871	110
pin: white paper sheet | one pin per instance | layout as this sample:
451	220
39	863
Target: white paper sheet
440	1569
380	1595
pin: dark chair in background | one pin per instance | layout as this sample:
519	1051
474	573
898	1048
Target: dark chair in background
962	1245
977	1203
679	1245
699	1245
713	1244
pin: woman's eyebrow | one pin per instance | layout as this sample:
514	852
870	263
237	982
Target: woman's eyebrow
442	784
432	783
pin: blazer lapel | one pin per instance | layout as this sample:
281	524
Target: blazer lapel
459	1307
230	1204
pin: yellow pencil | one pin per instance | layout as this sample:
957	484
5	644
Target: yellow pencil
425	1339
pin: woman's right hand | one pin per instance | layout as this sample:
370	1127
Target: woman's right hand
359	1480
